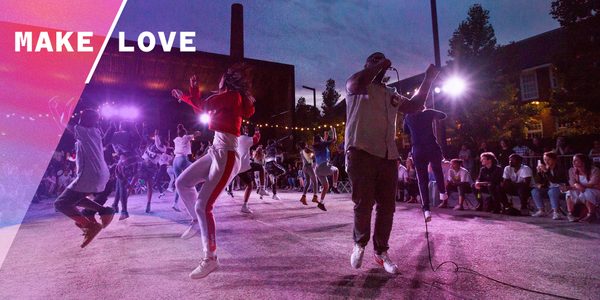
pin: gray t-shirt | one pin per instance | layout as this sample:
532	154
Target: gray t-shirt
92	171
371	121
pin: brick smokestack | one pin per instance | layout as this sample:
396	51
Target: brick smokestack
236	50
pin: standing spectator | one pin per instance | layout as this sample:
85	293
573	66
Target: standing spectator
466	156
595	153
537	149
520	148
584	187
504	152
551	176
562	146
402	181
412	185
517	182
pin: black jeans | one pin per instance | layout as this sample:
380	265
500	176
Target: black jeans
422	157
374	181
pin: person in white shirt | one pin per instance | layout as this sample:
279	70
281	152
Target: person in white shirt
402	182
458	179
183	148
517	181
247	167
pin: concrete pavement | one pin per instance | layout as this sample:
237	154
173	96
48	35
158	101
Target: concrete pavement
289	251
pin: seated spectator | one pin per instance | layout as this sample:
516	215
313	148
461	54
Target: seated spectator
503	154
517	182
489	181
412	186
551	176
402	182
595	153
458	180
584	187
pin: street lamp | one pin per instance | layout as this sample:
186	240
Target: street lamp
314	94
454	86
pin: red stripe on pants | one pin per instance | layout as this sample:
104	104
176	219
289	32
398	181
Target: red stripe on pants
210	219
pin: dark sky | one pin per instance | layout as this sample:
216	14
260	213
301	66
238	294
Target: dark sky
331	38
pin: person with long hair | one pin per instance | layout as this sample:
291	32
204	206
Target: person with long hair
584	187
222	162
551	176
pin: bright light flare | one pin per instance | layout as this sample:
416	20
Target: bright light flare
204	118
454	86
129	112
108	111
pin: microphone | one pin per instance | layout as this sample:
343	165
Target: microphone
392	69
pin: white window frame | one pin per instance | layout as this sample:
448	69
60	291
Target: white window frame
531	95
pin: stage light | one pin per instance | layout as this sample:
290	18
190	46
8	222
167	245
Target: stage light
437	90
129	112
205	118
107	111
454	86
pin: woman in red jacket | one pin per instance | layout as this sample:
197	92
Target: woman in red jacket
216	169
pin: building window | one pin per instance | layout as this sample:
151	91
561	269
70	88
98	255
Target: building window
535	129
529	86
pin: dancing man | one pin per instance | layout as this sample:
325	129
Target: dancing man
216	169
324	168
92	176
372	153
247	168
271	166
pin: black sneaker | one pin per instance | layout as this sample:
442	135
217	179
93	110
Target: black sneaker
321	206
335	190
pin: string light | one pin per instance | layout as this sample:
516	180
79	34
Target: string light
295	128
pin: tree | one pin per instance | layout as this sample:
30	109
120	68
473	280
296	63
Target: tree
474	41
330	98
306	116
579	66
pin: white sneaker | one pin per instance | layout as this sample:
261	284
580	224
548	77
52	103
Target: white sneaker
556	215
246	209
207	266
385	261
357	256
170	190
191	231
275	197
427	215
262	192
443	196
539	213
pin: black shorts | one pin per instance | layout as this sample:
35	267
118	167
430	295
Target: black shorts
274	169
247	177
